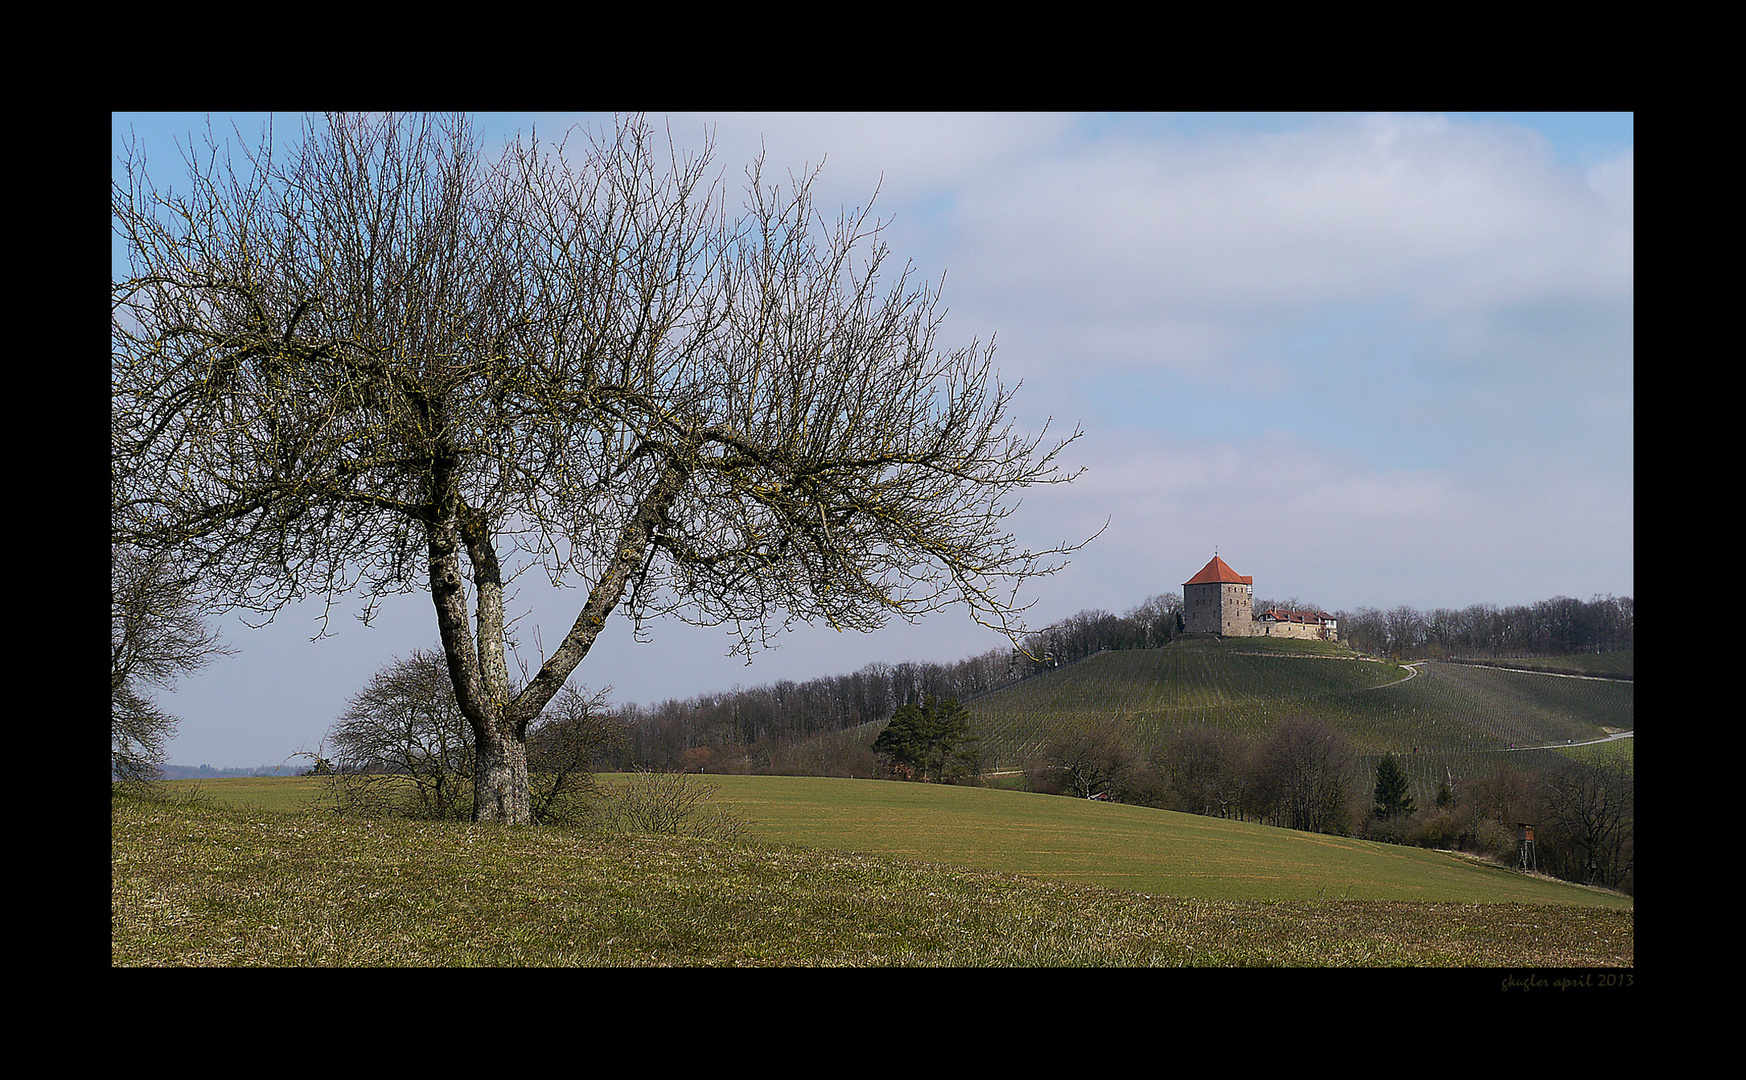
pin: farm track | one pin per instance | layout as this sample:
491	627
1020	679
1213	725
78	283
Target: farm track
1501	666
1412	672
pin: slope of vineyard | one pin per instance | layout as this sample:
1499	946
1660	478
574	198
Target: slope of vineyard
1380	707
1450	707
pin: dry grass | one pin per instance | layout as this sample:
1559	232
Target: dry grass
195	885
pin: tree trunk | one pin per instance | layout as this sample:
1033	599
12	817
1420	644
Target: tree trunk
500	783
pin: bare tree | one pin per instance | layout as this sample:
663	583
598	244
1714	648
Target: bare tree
1303	776
404	734
1207	770
380	361
407	724
1087	758
157	633
1591	814
1406	629
1158	618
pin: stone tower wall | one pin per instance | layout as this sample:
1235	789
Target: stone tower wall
1217	608
1287	630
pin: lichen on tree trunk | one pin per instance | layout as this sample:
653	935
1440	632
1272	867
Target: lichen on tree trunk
500	782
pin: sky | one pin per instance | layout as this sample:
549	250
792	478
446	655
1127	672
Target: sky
1369	359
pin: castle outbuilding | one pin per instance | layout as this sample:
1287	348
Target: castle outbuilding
1218	600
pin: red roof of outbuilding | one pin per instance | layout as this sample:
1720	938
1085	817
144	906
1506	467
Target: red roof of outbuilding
1286	615
1218	571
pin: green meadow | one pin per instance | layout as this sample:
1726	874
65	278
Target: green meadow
221	880
1047	837
1115	846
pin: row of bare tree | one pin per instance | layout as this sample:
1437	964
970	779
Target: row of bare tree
1305	775
1555	627
1582	814
746	729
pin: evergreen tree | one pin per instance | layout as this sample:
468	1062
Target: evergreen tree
904	742
955	748
929	741
1392	797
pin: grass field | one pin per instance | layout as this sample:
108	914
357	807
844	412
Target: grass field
1070	840
1117	846
197	884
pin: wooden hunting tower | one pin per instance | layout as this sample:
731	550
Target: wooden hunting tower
1525	847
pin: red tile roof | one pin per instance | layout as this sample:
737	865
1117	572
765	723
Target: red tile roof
1283	615
1218	571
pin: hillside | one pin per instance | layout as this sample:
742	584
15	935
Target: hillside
1610	665
1117	846
1439	717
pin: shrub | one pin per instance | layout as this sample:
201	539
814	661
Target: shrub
667	804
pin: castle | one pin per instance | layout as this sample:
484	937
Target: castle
1218	601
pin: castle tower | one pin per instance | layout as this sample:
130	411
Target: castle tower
1218	600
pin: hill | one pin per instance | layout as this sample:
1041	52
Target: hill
1611	665
1236	686
1245	687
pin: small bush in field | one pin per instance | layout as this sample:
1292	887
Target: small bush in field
667	804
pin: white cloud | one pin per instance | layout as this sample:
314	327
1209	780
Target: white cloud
1271	227
1615	181
907	156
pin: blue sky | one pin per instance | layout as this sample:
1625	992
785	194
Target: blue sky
1375	359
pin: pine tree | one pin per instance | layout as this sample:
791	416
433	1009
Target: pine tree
1392	797
930	741
904	742
953	743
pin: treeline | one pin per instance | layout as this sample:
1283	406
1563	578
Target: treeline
196	772
1306	775
1583	815
757	729
1151	624
1556	627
